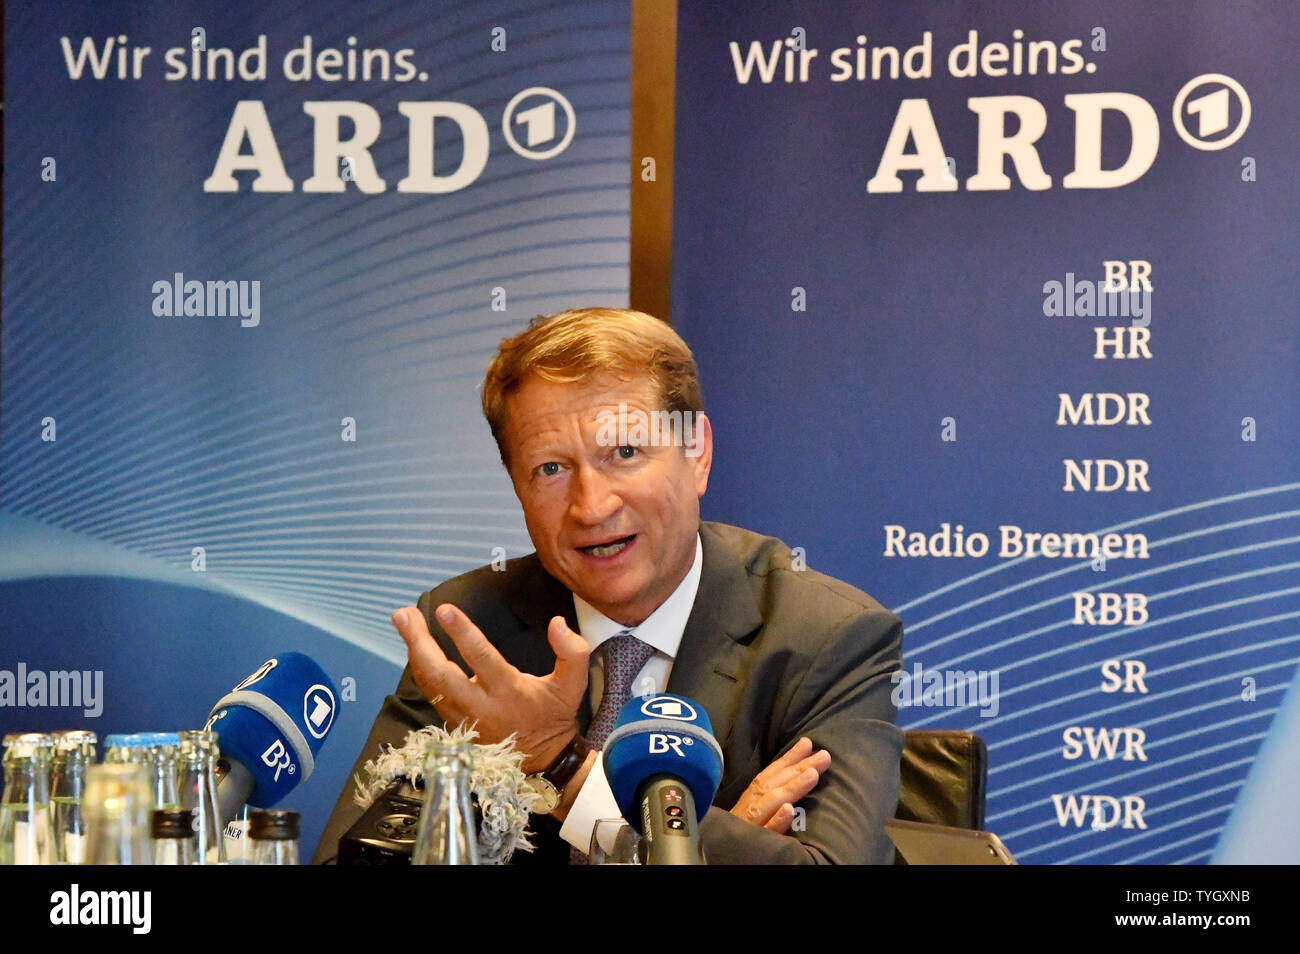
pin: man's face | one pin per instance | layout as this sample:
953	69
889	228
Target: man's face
615	523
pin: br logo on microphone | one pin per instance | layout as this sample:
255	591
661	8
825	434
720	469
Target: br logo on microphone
669	707
664	742
318	709
277	757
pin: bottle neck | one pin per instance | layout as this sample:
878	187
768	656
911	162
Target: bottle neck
125	755
448	782
199	793
68	776
163	779
447	834
200	765
449	762
25	782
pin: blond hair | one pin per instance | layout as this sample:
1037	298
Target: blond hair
584	343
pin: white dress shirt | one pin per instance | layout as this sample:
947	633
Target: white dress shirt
662	630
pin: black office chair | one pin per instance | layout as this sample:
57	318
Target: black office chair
943	779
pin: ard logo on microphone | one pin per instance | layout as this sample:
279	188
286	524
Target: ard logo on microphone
669	707
318	709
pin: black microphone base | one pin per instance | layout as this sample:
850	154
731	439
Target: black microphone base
385	834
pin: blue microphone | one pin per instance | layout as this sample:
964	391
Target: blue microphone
662	760
269	729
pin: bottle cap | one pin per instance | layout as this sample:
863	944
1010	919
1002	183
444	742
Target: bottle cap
76	737
198	742
178	823
27	744
75	740
274	826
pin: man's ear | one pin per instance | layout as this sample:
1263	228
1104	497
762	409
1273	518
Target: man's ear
699	450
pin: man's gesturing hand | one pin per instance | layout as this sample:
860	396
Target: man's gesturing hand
499	698
769	799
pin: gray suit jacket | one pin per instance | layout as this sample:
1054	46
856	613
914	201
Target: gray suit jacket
771	652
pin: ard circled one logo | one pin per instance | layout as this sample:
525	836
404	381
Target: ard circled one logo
1210	98
669	707
318	708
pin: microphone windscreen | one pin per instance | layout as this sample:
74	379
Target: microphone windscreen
662	735
274	723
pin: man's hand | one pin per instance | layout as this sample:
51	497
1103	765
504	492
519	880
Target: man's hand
769	799
540	710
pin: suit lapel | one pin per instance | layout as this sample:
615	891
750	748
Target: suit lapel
711	660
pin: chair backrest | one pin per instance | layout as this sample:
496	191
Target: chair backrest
944	774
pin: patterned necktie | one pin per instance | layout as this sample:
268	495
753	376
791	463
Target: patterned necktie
624	655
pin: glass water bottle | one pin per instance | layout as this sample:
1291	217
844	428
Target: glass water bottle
26	835
74	752
118	806
199	794
447	835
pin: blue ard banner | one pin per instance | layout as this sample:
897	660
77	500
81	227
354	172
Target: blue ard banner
995	307
257	257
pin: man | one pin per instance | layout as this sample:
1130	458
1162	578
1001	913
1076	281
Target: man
597	414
